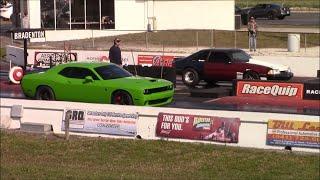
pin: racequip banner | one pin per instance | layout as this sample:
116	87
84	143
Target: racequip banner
101	122
155	60
194	127
269	89
311	91
294	133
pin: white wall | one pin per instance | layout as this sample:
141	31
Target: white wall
34	14
298	65
252	132
194	14
132	15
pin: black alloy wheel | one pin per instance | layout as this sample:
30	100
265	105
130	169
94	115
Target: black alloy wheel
45	93
121	98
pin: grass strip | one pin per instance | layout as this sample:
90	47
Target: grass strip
28	156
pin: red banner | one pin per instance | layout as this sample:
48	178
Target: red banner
210	128
269	89
155	60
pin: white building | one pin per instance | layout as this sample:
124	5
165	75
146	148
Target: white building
76	19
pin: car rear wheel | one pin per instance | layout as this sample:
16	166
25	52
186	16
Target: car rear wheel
281	17
251	76
190	77
121	98
271	15
45	93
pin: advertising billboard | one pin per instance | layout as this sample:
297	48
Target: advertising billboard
155	60
269	89
100	122
293	133
195	127
43	58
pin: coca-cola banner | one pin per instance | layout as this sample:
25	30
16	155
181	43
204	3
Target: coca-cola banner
195	127
155	60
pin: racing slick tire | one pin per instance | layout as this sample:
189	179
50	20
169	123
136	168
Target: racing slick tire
45	93
190	77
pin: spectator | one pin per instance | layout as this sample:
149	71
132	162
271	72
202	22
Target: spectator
25	21
252	32
115	52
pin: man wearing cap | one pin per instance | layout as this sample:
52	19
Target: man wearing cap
252	30
115	52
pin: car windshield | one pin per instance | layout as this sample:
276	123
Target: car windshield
112	72
241	56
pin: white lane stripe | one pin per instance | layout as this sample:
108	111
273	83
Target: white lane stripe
211	100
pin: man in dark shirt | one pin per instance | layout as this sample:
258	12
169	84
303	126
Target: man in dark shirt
115	52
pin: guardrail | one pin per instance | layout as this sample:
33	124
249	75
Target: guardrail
252	131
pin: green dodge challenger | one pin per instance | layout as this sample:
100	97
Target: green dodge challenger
97	83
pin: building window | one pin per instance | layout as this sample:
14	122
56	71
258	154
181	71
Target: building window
93	14
47	14
77	14
107	14
62	14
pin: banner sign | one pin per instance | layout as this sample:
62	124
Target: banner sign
28	34
194	127
293	133
269	89
101	122
43	58
311	91
155	60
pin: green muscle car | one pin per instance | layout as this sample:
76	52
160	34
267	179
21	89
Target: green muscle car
97	83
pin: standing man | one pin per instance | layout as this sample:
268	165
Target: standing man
115	52
252	32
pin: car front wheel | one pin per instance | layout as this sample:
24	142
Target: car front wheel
45	93
190	77
121	98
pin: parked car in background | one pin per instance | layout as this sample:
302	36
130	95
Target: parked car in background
270	11
6	11
96	83
212	65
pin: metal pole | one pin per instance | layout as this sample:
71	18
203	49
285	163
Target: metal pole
55	14
214	38
235	39
197	39
67	128
85	14
92	38
100	13
305	43
70	14
211	39
161	60
147	46
25	54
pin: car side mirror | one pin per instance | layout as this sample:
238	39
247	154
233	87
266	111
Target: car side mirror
88	79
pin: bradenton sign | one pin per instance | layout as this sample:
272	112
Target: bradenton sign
21	34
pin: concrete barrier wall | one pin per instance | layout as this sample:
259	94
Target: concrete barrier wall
300	66
252	132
